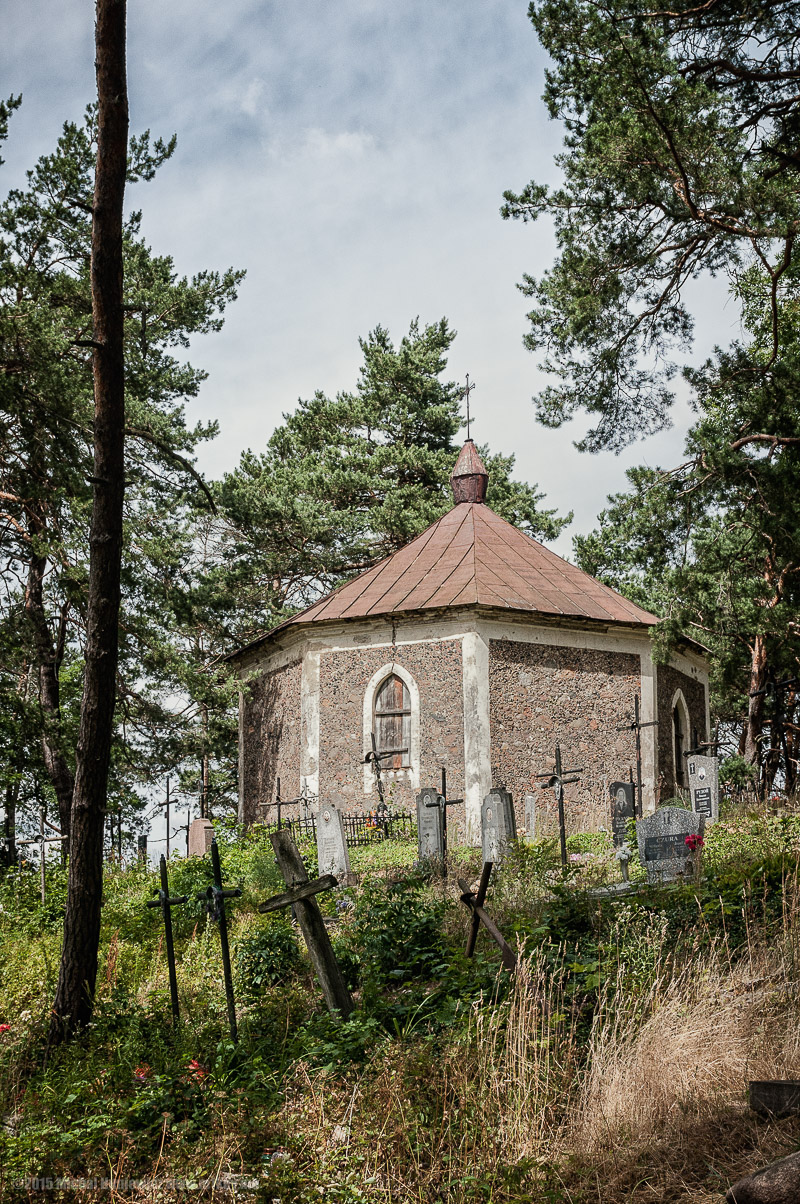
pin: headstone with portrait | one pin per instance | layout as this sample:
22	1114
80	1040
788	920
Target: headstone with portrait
623	809
704	786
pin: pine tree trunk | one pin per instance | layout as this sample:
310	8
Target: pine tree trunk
755	710
78	970
55	762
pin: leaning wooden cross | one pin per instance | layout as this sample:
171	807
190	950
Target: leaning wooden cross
300	895
475	901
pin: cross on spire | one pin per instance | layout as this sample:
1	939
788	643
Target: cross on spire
465	394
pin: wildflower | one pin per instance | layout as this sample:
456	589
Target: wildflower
4	1028
142	1073
197	1071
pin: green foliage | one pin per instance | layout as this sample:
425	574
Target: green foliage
399	932
681	138
265	957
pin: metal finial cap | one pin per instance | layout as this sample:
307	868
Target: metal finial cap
469	479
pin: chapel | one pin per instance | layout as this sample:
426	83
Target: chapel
474	648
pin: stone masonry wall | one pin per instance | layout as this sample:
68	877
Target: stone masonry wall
344	676
670	680
579	696
271	718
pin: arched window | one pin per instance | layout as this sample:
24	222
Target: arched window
680	737
392	723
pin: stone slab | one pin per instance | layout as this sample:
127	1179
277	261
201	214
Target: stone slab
430	829
661	838
201	833
704	786
778	1183
531	816
498	824
623	808
333	856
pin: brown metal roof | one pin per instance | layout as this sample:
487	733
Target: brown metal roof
471	556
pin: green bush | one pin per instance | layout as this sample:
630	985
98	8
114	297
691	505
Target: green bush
266	957
399	932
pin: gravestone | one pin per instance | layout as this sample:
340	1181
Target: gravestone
661	837
498	824
704	785
531	816
201	833
430	829
332	854
623	808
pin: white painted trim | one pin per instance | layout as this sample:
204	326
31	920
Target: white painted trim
649	735
411	774
309	724
477	730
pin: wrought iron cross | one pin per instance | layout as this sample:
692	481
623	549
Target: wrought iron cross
215	898
636	728
374	758
465	394
166	904
559	780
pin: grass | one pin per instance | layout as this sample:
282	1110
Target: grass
613	1068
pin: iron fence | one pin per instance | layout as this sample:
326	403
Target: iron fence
360	827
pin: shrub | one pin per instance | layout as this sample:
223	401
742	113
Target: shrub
266	957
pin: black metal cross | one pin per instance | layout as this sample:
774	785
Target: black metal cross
559	780
374	758
475	901
166	904
215	897
300	896
636	727
443	802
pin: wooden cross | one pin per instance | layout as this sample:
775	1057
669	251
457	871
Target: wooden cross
166	903
443	802
559	780
215	898
475	901
300	896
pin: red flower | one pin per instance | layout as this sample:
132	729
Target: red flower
694	842
197	1071
142	1073
4	1028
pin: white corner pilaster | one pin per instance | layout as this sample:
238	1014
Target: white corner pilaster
241	815
309	724
477	730
649	735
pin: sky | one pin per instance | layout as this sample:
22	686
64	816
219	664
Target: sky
352	158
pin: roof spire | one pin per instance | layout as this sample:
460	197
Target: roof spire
469	478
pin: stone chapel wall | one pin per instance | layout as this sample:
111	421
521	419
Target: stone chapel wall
539	694
271	745
344	677
694	692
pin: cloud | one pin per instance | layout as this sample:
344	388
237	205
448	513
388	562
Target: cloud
249	102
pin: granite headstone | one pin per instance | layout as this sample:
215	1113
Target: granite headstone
623	808
704	785
663	850
201	833
430	830
332	854
498	823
